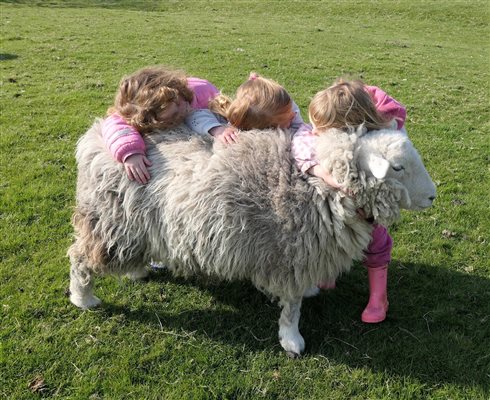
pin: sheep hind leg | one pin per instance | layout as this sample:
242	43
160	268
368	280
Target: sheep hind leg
81	285
289	336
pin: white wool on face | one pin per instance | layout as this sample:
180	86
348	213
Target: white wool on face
405	167
381	168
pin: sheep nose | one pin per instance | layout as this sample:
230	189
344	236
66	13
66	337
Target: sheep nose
432	198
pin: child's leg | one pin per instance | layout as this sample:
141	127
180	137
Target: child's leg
378	256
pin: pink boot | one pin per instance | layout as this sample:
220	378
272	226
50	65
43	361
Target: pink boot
377	306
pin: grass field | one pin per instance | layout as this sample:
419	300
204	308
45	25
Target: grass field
183	339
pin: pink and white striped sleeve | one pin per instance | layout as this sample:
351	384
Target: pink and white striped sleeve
121	139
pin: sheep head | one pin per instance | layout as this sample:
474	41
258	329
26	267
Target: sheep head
382	169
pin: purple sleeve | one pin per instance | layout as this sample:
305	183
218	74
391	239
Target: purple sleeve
388	106
203	90
121	139
297	122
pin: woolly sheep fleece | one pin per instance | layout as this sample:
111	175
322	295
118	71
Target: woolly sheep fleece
240	211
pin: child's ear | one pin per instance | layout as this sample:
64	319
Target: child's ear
378	166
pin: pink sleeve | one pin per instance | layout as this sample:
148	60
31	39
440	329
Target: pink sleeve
121	139
303	148
203	90
388	106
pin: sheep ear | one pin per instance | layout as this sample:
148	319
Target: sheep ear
378	166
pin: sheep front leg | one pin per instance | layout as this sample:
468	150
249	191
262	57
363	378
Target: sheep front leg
81	285
289	336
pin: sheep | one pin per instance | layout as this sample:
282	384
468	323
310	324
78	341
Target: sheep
241	211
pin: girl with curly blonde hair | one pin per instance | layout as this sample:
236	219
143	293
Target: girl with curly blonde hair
155	98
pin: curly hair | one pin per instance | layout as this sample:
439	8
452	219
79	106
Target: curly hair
346	104
146	93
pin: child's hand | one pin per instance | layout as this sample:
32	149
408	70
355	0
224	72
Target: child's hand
224	134
135	166
319	172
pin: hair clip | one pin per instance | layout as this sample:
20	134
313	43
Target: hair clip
253	76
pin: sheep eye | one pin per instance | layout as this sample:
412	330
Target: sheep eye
397	167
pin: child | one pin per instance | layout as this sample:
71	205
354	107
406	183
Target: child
259	103
155	98
350	104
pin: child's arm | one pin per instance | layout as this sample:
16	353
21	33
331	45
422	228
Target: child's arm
225	134
126	146
202	121
320	172
205	121
303	151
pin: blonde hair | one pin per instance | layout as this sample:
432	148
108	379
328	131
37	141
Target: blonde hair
345	104
258	104
146	93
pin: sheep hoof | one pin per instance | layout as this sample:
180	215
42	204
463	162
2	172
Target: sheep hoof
292	343
85	302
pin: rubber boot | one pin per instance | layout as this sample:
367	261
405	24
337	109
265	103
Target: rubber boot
377	306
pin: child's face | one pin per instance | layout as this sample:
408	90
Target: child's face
286	118
175	113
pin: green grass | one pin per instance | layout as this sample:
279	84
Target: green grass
167	338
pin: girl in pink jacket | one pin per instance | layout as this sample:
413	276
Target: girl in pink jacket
156	98
351	104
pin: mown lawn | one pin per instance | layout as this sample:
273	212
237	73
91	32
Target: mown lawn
187	339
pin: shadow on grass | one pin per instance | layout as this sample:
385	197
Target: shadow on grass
437	329
6	56
141	5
